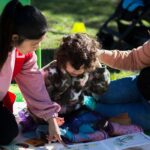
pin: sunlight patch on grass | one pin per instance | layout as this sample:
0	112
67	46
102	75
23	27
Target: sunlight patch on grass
121	74
14	88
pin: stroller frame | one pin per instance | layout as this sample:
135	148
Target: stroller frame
120	37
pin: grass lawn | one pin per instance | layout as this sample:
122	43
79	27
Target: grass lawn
62	14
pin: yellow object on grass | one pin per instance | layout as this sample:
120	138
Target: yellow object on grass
78	27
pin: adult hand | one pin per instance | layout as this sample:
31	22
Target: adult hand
54	132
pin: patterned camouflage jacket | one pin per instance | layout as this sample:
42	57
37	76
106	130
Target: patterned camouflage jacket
69	91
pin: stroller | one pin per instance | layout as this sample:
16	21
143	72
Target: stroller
132	19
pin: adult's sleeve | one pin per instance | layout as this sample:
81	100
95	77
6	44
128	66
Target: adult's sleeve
135	59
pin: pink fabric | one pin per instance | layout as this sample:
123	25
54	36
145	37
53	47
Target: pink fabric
125	129
32	85
95	136
135	59
6	74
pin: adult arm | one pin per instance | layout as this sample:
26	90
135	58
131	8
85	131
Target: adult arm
135	59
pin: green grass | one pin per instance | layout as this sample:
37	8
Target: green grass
121	74
14	88
62	14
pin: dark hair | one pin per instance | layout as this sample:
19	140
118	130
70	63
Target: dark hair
25	21
78	49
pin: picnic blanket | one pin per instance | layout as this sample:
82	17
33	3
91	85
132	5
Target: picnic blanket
29	140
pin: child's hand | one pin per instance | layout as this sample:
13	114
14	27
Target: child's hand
60	121
54	132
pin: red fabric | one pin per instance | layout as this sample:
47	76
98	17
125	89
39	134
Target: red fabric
20	60
9	99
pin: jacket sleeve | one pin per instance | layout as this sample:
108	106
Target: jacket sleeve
32	86
57	81
49	77
135	59
99	80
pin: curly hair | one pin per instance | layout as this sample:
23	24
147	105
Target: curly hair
78	49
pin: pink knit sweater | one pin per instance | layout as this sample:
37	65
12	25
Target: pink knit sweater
134	59
31	83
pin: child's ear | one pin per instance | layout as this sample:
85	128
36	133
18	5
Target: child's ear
15	39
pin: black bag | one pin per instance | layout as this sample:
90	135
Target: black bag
143	83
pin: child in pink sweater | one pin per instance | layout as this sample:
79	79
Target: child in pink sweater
22	28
